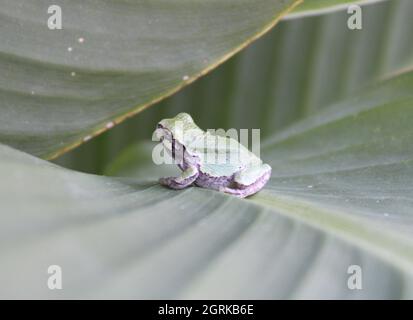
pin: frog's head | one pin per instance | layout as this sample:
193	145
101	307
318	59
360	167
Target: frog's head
178	131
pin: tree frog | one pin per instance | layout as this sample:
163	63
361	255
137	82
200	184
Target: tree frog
208	160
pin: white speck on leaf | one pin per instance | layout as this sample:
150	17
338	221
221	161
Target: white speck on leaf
70	49
81	40
110	125
87	138
310	186
73	74
185	77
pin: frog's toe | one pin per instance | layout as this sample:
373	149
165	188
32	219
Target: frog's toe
174	183
164	181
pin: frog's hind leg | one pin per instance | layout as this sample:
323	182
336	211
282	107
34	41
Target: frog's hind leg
249	181
186	179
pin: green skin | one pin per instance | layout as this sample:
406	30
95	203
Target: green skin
210	161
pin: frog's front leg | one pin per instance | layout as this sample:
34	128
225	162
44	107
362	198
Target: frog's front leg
187	178
249	181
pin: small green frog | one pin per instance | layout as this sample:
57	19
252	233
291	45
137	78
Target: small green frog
210	161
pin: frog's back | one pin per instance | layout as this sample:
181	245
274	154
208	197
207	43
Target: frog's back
223	156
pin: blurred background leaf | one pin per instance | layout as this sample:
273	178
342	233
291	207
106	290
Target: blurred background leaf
110	60
294	70
61	88
316	7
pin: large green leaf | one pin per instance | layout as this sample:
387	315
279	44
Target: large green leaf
301	66
341	194
110	60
